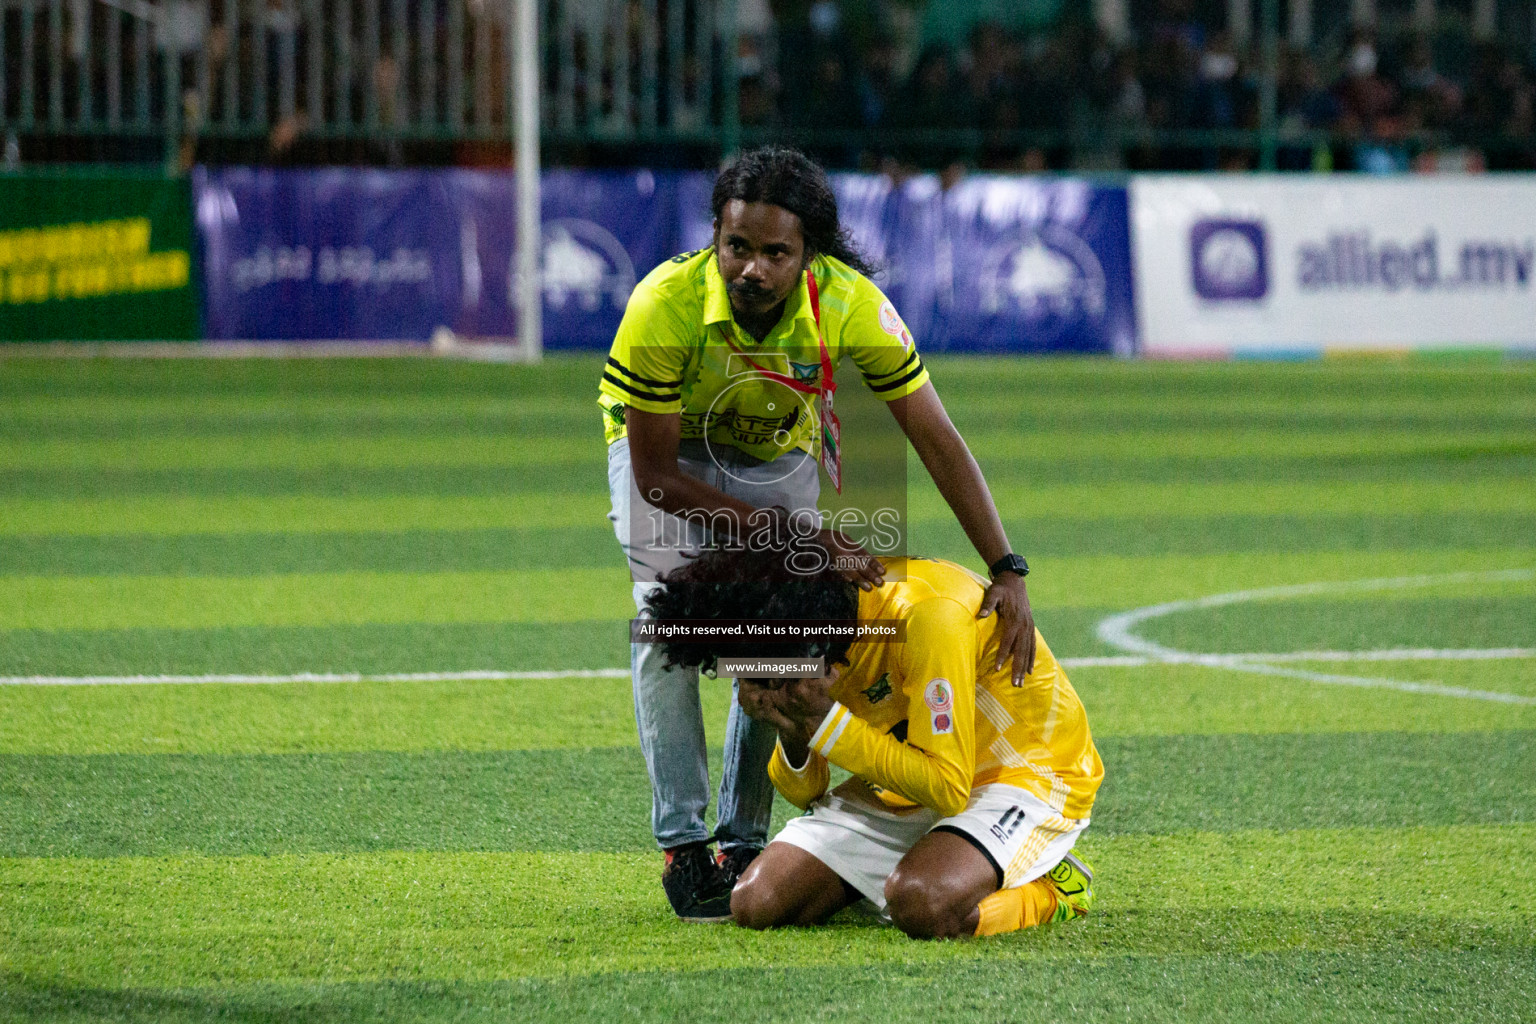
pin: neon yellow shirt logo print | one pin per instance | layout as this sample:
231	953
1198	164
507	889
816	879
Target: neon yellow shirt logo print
831	427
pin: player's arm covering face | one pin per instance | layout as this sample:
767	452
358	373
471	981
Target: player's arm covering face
801	785
937	669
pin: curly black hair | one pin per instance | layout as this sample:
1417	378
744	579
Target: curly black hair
752	585
788	178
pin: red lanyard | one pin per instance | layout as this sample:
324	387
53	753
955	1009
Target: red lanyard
828	385
831	427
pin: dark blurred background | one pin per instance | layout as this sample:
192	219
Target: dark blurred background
892	85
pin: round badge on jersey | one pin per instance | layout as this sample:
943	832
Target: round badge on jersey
939	697
890	323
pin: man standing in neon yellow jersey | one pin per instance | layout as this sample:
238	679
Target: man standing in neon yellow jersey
716	392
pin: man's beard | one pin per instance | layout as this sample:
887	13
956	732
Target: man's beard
750	294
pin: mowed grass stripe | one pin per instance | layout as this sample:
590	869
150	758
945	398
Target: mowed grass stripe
273	650
596	799
314	413
989	383
1112	499
1410	985
513	646
175	514
392	647
1164	536
1402	985
1406	985
550	595
480	715
1090	391
595	546
360	380
1170	699
1434	617
71	390
545	478
413	551
301	599
464	715
367	449
372	448
555	475
1516	676
479	916
182	514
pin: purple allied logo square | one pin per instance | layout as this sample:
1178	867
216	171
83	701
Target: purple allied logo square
1227	260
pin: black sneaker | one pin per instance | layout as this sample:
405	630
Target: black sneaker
733	863
694	885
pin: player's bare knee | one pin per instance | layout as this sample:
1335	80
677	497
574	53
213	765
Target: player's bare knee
753	905
920	907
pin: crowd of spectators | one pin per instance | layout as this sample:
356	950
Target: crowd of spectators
1066	96
891	84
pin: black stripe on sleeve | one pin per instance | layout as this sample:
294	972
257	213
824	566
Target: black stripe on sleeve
893	385
643	395
643	380
872	377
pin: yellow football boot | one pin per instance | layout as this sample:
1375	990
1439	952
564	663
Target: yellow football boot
1073	881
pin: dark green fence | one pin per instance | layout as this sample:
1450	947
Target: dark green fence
621	81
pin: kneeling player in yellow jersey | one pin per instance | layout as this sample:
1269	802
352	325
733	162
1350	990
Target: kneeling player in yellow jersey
967	793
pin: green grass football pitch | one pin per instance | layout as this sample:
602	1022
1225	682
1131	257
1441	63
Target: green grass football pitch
1334	834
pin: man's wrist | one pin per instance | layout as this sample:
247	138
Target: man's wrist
1010	562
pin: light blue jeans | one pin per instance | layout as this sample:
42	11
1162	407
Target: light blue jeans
667	709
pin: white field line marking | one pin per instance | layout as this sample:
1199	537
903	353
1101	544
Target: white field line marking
1110	661
1399	654
1388	654
316	677
1113	661
1118	631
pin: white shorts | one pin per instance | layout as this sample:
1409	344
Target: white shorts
1022	835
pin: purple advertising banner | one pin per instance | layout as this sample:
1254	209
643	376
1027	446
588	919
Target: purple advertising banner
394	255
334	253
1033	265
992	264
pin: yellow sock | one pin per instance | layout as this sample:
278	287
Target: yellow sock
1008	910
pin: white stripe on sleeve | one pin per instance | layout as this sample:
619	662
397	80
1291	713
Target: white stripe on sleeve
831	728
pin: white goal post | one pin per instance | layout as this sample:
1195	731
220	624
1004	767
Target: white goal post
530	309
527	346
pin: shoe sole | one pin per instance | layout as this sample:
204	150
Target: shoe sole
704	920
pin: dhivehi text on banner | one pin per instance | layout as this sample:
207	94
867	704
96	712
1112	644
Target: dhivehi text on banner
96	257
993	264
1259	263
331	253
396	254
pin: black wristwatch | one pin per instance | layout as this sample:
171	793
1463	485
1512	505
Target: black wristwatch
1009	563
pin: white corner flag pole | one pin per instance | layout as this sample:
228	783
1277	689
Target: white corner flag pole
530	326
